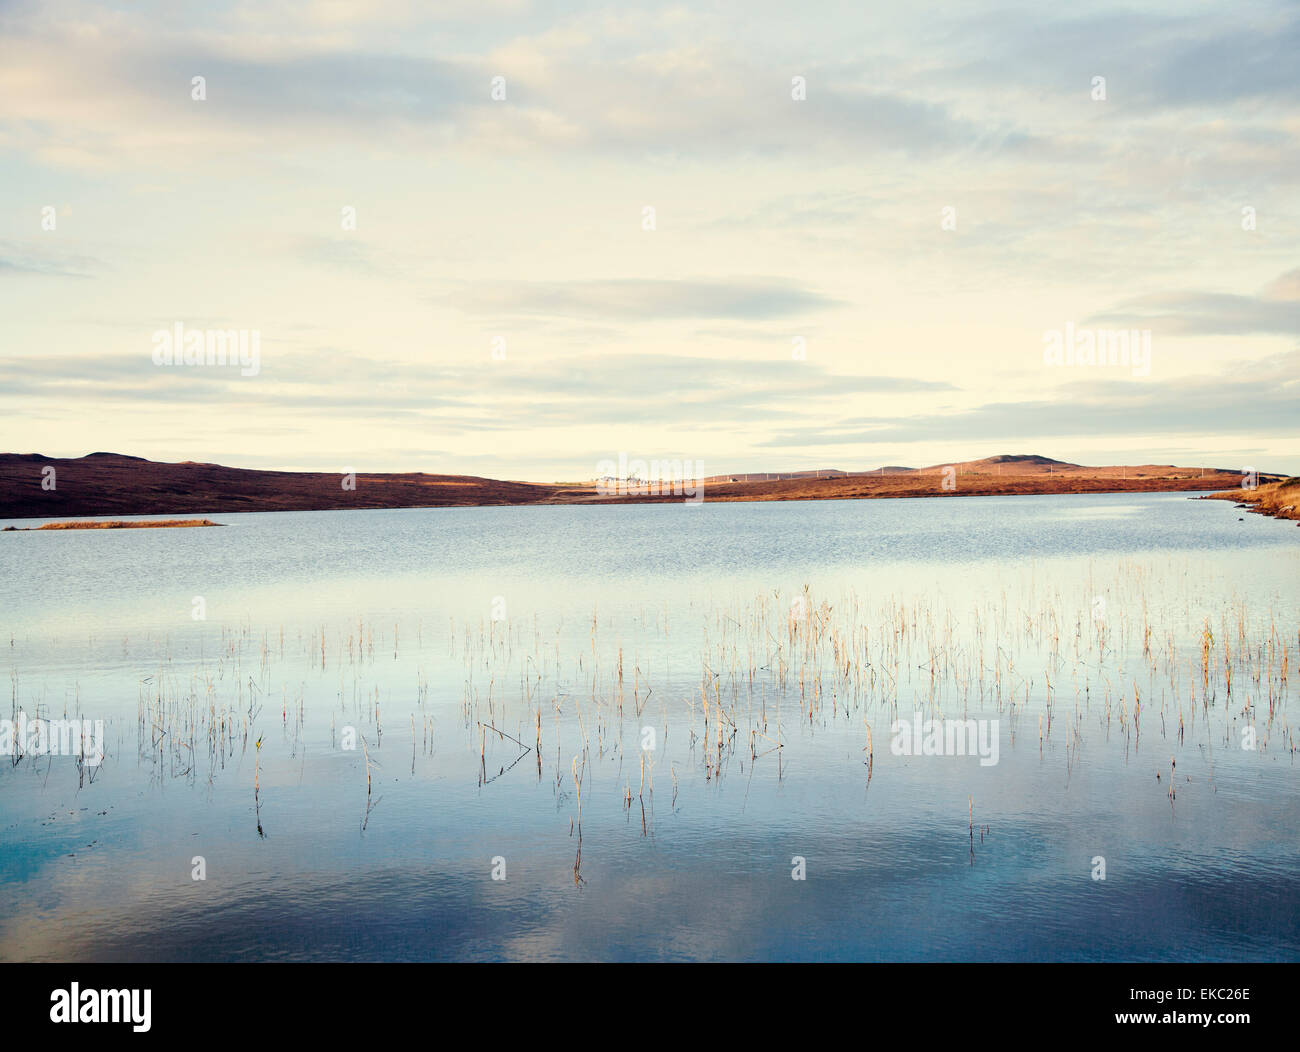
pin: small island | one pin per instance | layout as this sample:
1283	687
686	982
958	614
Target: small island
115	524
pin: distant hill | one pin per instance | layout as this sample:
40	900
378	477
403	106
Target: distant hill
1020	458
1025	463
113	484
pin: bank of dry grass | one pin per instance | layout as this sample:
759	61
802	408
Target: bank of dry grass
1280	499
118	524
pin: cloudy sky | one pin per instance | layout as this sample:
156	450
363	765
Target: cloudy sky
670	253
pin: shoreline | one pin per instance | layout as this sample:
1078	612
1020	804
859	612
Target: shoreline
1193	493
116	524
103	485
1279	500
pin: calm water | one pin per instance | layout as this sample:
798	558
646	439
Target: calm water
719	680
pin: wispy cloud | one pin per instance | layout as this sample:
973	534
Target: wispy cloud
1275	309
1225	404
44	262
596	388
743	299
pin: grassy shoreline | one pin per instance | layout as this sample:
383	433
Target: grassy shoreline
116	524
1279	499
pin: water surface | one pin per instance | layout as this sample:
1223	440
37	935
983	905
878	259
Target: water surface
1098	631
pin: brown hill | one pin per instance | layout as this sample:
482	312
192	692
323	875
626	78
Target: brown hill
103	484
112	484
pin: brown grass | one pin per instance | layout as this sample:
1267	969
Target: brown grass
1279	499
974	480
117	524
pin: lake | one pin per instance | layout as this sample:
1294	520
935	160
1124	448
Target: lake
725	731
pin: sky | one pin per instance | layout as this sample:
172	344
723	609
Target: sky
517	239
